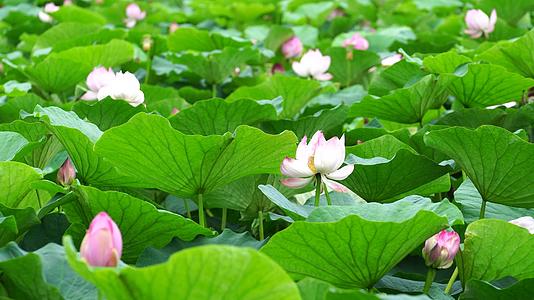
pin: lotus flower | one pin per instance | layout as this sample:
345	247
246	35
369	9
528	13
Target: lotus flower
97	79
124	86
173	27
439	250
318	157
357	42
66	174
102	244
313	64
479	23
525	222
48	9
277	68
133	14
338	12
292	47
391	60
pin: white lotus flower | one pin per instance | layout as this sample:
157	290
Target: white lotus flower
47	9
313	64
479	23
97	79
525	222
133	14
124	86
318	157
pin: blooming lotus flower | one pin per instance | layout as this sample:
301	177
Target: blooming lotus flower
439	250
318	157
525	222
133	14
102	244
357	42
97	79
479	23
292	47
66	174
391	60
313	64
124	86
48	9
173	27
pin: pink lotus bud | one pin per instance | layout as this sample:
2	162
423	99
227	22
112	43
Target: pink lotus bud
479	23
338	12
292	47
313	64
102	244
356	41
174	111
439	250
525	222
67	2
66	174
278	68
133	14
173	27
391	60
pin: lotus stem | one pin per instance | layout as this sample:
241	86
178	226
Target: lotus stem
317	190
429	279
223	218
327	195
260	221
451	281
201	216
482	210
188	211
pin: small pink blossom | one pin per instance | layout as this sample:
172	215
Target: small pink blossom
439	250
66	173
173	27
391	60
313	64
49	8
97	79
277	68
478	23
292	47
133	15
318	157
357	42
102	244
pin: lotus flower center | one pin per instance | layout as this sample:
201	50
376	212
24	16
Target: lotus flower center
311	165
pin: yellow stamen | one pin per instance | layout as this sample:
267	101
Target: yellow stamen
311	165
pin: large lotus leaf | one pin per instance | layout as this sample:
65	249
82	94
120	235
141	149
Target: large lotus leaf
188	38
10	110
106	113
395	77
405	208
248	274
187	165
445	62
514	56
484	85
406	105
368	133
141	224
295	92
497	161
15	185
114	53
469	201
216	116
509	11
350	66
385	169
74	13
324	120
495	249
478	289
12	143
353	252
78	138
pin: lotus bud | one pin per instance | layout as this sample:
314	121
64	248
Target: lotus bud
67	2
525	222
292	47
338	12
174	111
133	14
439	250
356	41
478	23
173	27
66	173
147	43
278	68
102	244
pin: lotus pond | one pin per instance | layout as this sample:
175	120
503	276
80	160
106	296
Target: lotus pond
266	149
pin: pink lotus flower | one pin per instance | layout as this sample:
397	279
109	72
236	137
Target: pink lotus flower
479	23
525	222
439	250
173	27
133	14
97	79
124	86
66	174
356	41
292	47
67	2
47	9
313	64
338	12
318	157
391	60
102	244
277	68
